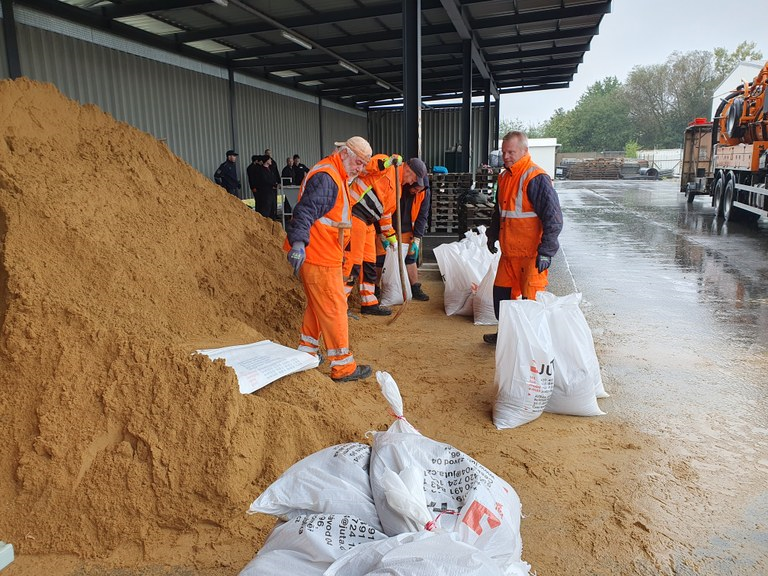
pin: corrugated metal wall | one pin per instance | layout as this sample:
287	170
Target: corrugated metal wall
175	98
440	131
338	126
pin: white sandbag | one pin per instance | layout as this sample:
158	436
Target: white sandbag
577	371
308	545
458	295
331	481
482	305
419	484
391	285
421	554
524	363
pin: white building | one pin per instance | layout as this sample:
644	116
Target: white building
542	151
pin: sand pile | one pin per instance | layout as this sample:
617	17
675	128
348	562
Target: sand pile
117	260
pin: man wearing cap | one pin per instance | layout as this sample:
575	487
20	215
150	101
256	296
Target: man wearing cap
380	173
316	236
414	213
226	174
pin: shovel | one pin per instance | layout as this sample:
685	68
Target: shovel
400	263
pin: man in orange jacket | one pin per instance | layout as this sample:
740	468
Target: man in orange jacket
526	222
414	213
380	173
316	236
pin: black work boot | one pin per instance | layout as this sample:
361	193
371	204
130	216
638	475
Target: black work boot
491	338
417	293
362	371
375	310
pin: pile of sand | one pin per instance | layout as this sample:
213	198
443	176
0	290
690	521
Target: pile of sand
117	260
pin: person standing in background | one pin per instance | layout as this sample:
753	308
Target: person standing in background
287	169
252	172
299	170
226	174
266	189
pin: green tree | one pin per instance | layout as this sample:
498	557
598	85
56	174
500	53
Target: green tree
600	120
726	62
664	98
531	130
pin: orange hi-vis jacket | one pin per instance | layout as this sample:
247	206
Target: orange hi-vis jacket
520	228
332	231
383	182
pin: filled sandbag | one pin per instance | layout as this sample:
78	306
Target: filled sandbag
577	371
525	368
420	484
334	480
309	544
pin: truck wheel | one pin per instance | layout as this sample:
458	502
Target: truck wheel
729	211
717	198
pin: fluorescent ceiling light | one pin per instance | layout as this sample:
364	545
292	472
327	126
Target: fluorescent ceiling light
286	73
311	83
221	2
348	67
296	40
382	85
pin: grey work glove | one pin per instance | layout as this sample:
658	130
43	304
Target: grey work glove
296	257
542	262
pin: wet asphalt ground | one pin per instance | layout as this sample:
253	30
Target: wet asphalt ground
678	304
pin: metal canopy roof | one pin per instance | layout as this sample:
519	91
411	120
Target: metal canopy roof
351	51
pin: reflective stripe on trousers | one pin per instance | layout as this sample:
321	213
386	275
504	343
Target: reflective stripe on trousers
326	315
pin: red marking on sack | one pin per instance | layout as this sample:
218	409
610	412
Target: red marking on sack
474	516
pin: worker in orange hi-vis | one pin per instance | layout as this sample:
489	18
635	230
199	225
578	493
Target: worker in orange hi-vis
360	261
316	236
380	173
414	213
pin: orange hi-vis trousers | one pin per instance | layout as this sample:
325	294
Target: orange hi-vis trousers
326	316
362	251
522	276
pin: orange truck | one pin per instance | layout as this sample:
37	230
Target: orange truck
727	158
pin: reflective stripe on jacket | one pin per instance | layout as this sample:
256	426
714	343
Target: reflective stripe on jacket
520	227
325	247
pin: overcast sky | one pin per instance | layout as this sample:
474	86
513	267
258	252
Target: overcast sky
644	32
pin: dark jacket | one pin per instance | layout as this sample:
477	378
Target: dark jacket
298	174
288	172
253	169
266	192
318	199
418	226
226	177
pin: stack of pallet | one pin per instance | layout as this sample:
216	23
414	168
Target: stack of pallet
596	169
472	215
485	179
445	188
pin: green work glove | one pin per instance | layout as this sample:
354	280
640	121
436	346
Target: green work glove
414	249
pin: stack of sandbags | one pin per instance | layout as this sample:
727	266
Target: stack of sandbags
407	505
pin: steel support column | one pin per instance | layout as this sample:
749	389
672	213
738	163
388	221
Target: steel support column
411	78
11	44
233	123
486	128
466	108
320	126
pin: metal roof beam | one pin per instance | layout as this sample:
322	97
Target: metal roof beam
328	17
146	7
524	54
507	40
464	31
541	16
